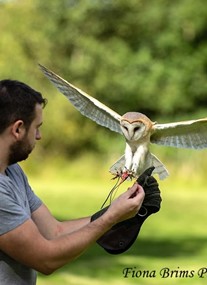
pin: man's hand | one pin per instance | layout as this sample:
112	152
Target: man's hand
126	205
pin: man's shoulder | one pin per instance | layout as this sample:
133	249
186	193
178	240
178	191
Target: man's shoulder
14	169
15	173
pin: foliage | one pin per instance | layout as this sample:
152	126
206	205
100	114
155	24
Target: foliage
147	56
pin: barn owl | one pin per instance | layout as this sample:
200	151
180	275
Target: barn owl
139	131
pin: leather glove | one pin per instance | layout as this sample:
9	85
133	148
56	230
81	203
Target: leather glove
122	235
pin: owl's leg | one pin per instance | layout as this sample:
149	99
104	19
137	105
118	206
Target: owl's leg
128	158
122	167
138	160
125	172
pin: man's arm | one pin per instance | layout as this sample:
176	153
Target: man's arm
31	245
51	228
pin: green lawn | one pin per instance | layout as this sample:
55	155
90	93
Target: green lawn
175	238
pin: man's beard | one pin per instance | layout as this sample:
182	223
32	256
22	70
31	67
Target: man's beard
19	151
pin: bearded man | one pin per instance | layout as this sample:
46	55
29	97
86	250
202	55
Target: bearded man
31	239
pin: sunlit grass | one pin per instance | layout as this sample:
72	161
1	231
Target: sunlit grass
175	237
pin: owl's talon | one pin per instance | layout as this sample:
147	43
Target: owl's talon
124	175
117	175
128	174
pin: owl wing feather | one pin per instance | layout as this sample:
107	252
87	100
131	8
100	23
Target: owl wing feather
185	134
87	105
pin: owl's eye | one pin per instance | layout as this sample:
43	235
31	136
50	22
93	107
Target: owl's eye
136	129
125	128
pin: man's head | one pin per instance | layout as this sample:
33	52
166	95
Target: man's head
17	102
21	113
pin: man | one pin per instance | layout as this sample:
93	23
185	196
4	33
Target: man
31	239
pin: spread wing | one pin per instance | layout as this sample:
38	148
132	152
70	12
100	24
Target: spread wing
87	105
186	134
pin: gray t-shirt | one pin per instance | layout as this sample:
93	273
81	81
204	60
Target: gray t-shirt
17	202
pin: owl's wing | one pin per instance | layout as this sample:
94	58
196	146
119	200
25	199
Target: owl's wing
186	134
87	105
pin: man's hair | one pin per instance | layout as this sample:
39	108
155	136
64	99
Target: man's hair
17	102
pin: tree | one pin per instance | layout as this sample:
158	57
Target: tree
146	56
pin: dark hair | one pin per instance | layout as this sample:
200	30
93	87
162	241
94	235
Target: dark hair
17	102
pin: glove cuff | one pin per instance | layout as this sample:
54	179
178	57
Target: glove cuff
122	235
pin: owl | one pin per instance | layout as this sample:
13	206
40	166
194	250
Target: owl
138	130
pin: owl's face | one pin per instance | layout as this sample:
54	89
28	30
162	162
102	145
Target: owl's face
132	131
135	126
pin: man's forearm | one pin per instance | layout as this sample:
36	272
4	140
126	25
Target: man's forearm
51	228
66	227
68	247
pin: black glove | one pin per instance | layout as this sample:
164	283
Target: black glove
122	235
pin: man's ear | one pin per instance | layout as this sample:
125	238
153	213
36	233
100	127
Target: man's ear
18	129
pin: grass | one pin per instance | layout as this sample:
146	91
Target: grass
174	238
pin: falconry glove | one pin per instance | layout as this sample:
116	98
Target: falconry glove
122	235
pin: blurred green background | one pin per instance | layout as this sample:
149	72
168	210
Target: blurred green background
136	55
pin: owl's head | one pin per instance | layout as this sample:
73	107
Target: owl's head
135	126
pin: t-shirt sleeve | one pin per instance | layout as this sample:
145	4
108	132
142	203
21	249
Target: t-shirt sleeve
11	212
34	201
17	200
